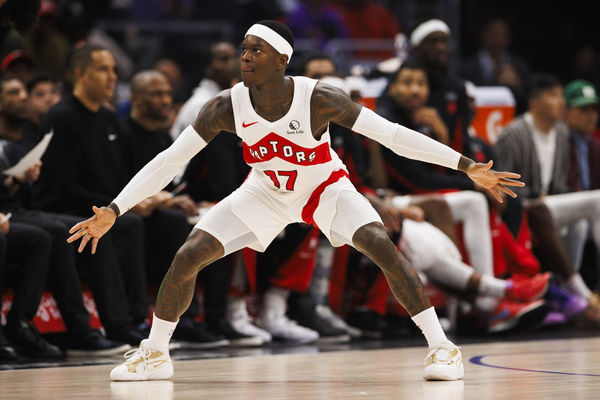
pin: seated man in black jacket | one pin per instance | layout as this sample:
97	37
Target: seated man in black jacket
63	277
86	164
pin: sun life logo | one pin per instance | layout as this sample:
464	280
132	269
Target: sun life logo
294	125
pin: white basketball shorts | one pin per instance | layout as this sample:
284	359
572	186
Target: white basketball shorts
253	215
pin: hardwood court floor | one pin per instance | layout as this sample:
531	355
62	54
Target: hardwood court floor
531	370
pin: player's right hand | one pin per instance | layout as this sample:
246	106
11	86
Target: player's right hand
93	228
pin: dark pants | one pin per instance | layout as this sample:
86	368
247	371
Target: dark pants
63	278
115	274
28	247
165	232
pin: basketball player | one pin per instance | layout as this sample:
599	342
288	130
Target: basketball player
296	176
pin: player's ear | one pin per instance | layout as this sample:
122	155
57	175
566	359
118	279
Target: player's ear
282	61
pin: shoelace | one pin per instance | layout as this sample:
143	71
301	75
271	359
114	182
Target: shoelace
134	354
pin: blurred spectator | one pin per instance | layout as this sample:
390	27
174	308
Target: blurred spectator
586	65
582	120
404	102
86	165
44	92
171	70
216	78
536	145
584	158
18	63
430	43
166	225
46	43
29	249
494	64
316	20
317	65
63	278
366	19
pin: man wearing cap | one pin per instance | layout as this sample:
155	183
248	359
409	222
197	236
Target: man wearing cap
582	120
296	177
536	145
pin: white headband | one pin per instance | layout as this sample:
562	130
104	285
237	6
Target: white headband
426	29
273	38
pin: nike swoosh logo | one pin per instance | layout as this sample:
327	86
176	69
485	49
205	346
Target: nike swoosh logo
244	125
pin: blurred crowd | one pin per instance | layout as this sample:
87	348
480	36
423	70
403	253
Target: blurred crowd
113	103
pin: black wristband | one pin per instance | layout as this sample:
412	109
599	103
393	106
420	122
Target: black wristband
115	208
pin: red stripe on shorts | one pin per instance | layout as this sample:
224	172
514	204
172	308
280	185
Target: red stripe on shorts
313	201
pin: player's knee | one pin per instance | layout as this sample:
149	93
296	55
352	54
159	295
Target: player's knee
199	250
372	239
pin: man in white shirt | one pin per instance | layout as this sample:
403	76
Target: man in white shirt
217	76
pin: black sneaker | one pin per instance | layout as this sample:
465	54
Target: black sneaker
7	353
28	342
302	309
93	344
143	328
235	338
194	335
369	322
130	336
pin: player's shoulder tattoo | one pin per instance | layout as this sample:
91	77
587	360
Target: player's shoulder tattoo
215	116
330	104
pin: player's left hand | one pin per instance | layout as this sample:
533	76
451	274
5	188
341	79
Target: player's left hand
494	181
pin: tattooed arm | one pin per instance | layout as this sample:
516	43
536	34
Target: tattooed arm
215	116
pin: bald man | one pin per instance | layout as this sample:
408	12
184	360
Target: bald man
151	103
166	226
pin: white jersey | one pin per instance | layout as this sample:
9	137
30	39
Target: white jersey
294	178
284	154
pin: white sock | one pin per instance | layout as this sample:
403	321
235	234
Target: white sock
160	333
576	284
274	303
492	286
486	304
429	324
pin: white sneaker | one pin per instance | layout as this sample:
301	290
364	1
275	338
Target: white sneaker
336	321
284	328
244	325
237	316
273	319
444	363
144	364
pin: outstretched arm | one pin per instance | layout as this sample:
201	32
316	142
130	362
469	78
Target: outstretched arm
330	104
214	117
